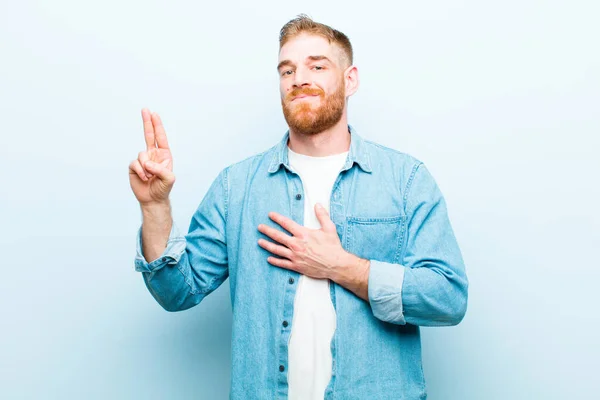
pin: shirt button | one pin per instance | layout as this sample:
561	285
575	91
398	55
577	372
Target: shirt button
291	280
281	368
298	196
285	324
164	259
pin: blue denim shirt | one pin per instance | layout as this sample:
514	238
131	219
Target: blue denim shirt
387	208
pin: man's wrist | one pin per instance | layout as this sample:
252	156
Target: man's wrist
156	208
353	274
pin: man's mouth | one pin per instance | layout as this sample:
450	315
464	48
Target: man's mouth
301	96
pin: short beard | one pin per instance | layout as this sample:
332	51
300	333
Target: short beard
305	120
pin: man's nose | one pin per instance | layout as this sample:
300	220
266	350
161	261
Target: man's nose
301	78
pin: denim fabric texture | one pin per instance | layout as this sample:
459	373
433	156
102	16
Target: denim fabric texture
387	208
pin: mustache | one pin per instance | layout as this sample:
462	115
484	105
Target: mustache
306	91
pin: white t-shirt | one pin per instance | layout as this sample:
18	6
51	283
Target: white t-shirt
313	324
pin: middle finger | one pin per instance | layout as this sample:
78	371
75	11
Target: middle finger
276	249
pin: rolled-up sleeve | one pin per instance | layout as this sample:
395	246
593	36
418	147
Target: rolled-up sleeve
430	287
385	291
172	254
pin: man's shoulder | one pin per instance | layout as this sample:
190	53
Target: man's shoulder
382	153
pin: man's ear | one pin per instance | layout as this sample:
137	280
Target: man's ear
351	80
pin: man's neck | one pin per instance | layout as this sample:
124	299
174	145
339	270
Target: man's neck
334	140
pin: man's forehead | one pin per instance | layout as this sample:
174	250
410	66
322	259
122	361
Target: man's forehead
305	45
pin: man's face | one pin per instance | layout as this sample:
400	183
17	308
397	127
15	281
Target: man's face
312	84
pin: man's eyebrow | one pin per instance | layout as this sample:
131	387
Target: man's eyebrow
319	58
283	64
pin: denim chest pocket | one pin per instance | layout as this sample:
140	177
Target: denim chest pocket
377	238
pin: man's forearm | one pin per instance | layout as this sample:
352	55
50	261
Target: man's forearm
156	226
353	274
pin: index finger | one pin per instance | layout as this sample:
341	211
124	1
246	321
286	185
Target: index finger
286	223
148	129
159	130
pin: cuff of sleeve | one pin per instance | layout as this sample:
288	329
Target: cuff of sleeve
175	247
385	291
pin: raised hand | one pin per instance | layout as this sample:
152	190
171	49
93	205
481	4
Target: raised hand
151	175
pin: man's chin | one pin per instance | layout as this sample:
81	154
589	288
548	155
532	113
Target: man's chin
302	126
302	115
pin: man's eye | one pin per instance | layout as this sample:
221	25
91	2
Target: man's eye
318	67
287	72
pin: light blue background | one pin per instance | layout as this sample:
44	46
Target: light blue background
499	99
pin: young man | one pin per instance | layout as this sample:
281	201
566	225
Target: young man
337	249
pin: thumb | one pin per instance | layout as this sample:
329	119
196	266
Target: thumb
323	216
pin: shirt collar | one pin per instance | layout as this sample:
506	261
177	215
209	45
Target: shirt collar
358	153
